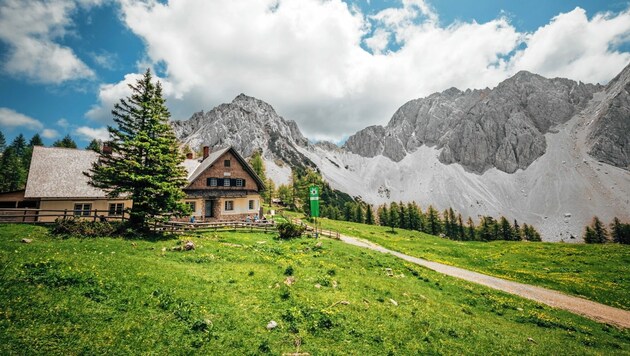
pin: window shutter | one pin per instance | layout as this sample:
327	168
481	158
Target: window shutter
220	182
243	182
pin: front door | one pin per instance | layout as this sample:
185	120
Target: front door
209	209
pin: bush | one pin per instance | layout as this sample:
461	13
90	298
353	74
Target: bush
85	228
288	230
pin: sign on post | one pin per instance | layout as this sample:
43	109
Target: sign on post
314	197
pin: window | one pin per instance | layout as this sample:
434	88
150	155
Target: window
212	182
251	205
226	182
239	182
82	209
192	206
229	205
116	209
226	163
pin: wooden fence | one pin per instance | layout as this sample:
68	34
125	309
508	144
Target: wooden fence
182	227
29	215
317	231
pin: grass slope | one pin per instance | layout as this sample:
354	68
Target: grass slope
600	272
115	296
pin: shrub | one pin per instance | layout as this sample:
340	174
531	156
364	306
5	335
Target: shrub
85	228
289	230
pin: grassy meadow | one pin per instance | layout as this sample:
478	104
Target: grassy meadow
117	296
599	272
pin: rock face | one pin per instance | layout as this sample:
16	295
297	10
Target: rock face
247	124
479	129
609	137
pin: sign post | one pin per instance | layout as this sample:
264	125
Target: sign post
313	192
314	197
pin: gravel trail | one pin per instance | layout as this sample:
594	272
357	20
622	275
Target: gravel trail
593	310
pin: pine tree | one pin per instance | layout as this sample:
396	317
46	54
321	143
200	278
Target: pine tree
619	232
460	228
505	228
66	142
433	221
383	215
599	231
146	163
12	174
258	165
470	226
36	140
447	224
393	220
403	216
348	211
486	228
94	145
19	145
358	214
414	216
517	231
589	236
3	142
369	215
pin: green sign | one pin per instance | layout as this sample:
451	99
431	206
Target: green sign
313	192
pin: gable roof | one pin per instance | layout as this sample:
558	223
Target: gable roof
58	173
213	157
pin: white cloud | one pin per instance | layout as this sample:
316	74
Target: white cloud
63	123
305	57
30	29
50	133
89	133
10	118
574	47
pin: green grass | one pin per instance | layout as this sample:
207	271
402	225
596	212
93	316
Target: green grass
116	296
600	272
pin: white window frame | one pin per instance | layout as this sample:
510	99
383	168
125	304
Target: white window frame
239	182
229	205
213	182
82	211
116	211
226	182
252	204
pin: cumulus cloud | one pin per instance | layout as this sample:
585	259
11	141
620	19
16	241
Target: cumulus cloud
10	118
335	70
50	133
89	133
30	29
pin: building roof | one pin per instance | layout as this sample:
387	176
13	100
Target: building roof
58	172
213	157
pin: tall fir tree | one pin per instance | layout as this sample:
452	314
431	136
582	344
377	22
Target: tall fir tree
599	233
358	214
146	161
433	221
383	215
369	215
66	142
3	142
506	233
393	220
19	145
620	232
403	216
461	235
94	145
36	140
12	172
470	230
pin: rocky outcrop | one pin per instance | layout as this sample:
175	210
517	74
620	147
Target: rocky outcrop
609	137
479	129
247	124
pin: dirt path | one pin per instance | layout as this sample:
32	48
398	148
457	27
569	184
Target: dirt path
596	311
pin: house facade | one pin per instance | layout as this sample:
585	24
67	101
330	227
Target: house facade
221	186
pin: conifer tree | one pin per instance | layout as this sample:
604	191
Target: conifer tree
66	142
3	142
258	165
94	145
517	231
597	233
13	174
589	235
146	160
383	215
348	211
358	214
433	221
369	215
619	232
393	220
19	145
36	140
403	216
505	228
460	228
447	224
414	216
470	227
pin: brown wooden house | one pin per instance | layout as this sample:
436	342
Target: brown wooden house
222	186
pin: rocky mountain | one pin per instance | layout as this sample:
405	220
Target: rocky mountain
248	124
609	137
547	152
502	127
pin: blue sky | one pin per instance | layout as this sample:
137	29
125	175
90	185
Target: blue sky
334	67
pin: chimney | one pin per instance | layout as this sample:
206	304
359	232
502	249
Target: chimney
206	152
107	149
189	155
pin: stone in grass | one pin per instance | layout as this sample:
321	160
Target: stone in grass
319	245
289	281
393	301
27	241
189	245
272	325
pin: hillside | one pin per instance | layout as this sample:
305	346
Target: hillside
119	296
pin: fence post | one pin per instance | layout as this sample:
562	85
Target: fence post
95	210
24	217
65	212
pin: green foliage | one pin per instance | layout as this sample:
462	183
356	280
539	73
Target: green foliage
76	226
332	202
146	160
369	215
66	142
258	165
596	232
288	230
393	219
433	221
3	142
619	232
36	140
12	172
94	145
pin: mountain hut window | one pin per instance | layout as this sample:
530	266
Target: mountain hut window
82	209
226	163
115	209
239	182
229	205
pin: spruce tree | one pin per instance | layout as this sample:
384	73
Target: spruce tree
517	231
433	221
505	228
13	174
447	224
589	236
369	215
460	228
66	142
393	220
94	145
601	235
19	145
3	142
146	162
403	216
619	232
470	226
414	216
36	140
358	214
383	215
